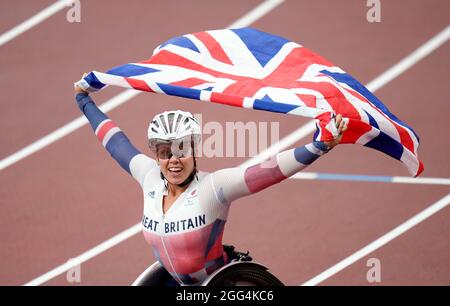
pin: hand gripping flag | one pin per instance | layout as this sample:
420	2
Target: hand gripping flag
253	69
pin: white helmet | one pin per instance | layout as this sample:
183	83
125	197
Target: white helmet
172	125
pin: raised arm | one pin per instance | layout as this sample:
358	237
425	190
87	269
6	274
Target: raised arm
233	183
114	140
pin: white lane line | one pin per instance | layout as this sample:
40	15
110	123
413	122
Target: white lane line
255	14
423	215
301	130
135	229
87	255
258	12
65	130
421	180
370	178
34	21
409	61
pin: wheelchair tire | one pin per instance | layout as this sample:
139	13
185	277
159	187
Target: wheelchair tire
245	275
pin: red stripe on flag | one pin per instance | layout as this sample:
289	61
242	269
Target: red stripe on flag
105	129
304	56
334	97
214	48
324	119
165	57
419	171
405	137
191	82
309	100
285	75
221	98
245	86
138	84
356	128
295	64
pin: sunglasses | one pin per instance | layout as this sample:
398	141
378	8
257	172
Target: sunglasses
166	151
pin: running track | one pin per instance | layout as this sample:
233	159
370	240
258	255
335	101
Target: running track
70	196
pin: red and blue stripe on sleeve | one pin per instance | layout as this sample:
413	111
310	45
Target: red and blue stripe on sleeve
111	137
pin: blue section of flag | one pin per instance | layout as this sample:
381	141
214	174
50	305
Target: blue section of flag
264	48
386	144
181	41
372	120
255	39
129	70
180	91
316	133
267	98
92	80
357	86
273	106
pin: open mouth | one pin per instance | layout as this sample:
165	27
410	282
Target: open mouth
175	169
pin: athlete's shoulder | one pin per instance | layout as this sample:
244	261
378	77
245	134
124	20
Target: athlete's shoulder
140	165
202	175
152	176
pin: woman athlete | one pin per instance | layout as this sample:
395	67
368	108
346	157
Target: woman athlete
185	210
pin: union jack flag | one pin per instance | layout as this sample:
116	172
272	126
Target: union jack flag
253	69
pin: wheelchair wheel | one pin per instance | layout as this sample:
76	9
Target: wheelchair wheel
157	276
245	274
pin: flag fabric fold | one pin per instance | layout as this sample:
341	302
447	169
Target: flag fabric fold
249	68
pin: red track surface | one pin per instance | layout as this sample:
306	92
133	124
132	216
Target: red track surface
70	196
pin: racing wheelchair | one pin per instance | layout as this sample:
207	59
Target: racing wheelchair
240	271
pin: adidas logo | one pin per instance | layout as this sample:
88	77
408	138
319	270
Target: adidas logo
152	194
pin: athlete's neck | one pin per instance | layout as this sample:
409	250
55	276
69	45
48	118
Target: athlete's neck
175	190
